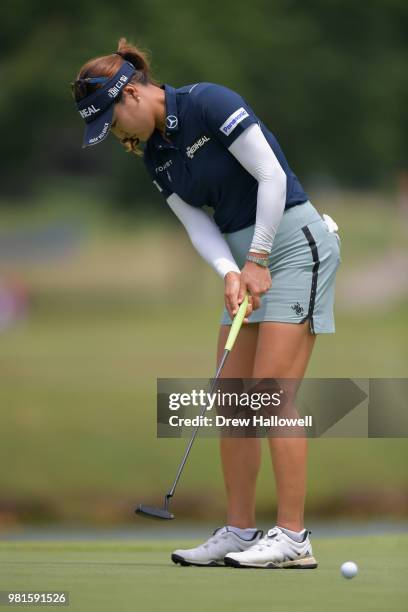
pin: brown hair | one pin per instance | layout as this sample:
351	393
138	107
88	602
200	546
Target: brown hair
108	65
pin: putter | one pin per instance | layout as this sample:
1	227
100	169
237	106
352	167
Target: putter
164	513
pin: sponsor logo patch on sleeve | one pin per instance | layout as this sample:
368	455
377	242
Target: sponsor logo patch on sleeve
231	123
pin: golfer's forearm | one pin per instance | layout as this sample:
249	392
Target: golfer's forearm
204	235
269	210
254	153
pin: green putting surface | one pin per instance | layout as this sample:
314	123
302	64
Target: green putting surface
133	575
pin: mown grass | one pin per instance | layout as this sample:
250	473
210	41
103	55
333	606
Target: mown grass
127	575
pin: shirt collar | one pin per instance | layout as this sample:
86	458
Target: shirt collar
172	118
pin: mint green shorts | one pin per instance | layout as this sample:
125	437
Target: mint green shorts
303	263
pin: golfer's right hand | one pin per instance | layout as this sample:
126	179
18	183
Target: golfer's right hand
232	282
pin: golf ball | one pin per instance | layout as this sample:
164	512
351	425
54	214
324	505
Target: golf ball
349	569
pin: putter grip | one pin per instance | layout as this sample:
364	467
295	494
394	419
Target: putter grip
236	324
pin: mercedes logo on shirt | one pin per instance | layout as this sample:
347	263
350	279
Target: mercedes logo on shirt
171	122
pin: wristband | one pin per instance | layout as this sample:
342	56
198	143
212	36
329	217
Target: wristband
262	261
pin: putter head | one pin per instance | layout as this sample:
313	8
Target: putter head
154	513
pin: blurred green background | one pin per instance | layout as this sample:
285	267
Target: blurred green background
101	291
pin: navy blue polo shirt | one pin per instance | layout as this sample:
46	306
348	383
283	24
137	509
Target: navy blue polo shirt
193	161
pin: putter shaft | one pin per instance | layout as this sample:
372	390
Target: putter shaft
193	437
235	327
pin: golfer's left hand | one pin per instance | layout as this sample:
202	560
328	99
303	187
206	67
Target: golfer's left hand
256	280
231	292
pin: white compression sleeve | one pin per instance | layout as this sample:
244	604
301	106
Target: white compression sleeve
205	235
253	151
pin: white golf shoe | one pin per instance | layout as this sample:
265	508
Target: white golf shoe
275	550
212	552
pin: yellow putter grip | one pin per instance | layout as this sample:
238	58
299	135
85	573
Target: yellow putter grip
236	324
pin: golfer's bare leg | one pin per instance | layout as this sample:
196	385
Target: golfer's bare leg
284	350
241	457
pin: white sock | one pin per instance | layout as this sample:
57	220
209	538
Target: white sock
295	535
244	534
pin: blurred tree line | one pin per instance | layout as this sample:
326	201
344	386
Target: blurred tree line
328	77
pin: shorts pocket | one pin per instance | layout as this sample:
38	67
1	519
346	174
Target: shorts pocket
334	238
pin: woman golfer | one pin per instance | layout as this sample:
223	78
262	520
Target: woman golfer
204	145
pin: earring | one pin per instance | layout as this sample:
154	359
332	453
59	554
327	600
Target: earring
138	98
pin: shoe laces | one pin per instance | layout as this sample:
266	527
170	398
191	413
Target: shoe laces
272	536
269	539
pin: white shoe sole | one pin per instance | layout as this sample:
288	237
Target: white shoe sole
302	563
